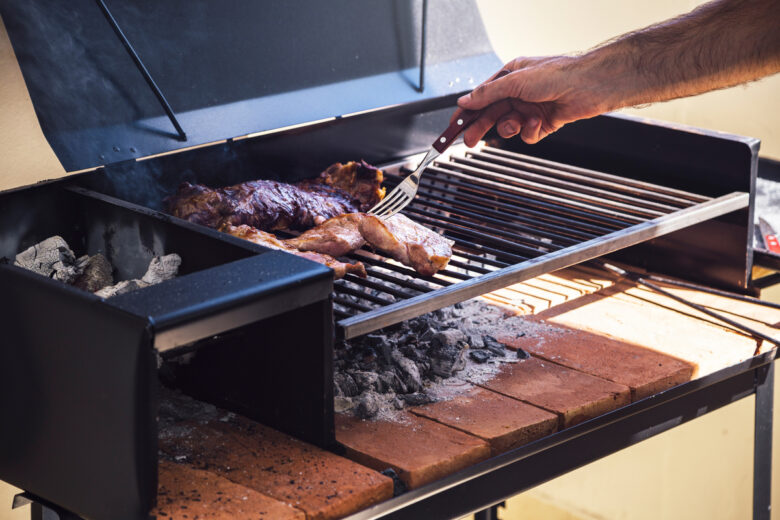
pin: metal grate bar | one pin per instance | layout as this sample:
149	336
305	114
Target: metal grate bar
511	217
643	187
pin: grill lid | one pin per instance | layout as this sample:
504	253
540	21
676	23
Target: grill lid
228	69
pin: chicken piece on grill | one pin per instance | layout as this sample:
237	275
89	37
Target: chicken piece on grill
269	240
408	242
269	205
337	236
400	238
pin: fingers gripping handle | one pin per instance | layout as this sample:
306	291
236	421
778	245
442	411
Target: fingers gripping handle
463	121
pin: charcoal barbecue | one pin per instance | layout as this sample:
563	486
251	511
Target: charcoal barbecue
138	109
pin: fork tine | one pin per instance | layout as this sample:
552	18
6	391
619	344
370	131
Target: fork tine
397	205
384	203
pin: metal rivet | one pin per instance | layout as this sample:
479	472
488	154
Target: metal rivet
452	83
443	140
460	122
132	149
116	148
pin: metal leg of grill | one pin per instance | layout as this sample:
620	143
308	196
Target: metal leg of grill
762	451
491	513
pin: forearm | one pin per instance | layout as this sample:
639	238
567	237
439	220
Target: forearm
719	44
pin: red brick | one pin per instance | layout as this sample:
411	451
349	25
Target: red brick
418	449
318	482
573	395
505	423
184	492
643	370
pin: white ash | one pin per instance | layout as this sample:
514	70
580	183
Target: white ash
51	258
160	269
426	359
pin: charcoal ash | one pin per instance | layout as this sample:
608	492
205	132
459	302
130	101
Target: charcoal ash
54	258
418	361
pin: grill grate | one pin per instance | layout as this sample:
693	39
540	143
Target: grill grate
512	217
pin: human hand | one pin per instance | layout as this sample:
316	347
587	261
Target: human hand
537	98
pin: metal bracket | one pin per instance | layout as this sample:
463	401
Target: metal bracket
142	68
423	35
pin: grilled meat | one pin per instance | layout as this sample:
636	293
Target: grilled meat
269	205
269	240
337	236
400	238
408	242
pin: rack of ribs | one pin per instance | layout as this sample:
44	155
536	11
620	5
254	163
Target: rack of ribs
268	205
269	240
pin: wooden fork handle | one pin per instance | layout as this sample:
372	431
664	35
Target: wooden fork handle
464	120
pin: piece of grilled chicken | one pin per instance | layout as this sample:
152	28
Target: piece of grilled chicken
414	245
263	238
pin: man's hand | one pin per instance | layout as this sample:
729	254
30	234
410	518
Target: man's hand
719	44
534	100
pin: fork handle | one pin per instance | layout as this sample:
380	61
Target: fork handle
464	120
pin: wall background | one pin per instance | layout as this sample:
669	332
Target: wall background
700	470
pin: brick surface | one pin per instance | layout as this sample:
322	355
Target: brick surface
418	449
184	492
505	423
643	370
318	482
573	396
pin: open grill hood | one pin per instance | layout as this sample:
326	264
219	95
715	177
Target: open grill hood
229	69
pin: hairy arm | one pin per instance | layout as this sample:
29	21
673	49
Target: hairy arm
717	45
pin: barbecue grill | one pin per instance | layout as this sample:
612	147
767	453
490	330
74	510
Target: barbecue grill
132	104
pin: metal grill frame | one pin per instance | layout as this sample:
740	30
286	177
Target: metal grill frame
600	213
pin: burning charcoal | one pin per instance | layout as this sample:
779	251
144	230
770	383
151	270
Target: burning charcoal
407	372
445	360
522	354
365	381
416	399
494	346
389	381
346	384
367	405
480	356
123	287
51	258
448	338
398	485
96	275
162	268
476	341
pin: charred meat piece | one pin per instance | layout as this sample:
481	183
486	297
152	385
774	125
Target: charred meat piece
408	242
269	240
337	236
269	205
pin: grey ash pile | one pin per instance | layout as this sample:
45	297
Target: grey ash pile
53	258
419	361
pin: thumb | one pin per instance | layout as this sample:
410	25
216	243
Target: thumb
490	92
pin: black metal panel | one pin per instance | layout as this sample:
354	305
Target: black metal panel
78	399
278	372
706	162
231	68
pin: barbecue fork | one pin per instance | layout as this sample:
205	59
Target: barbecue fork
404	193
